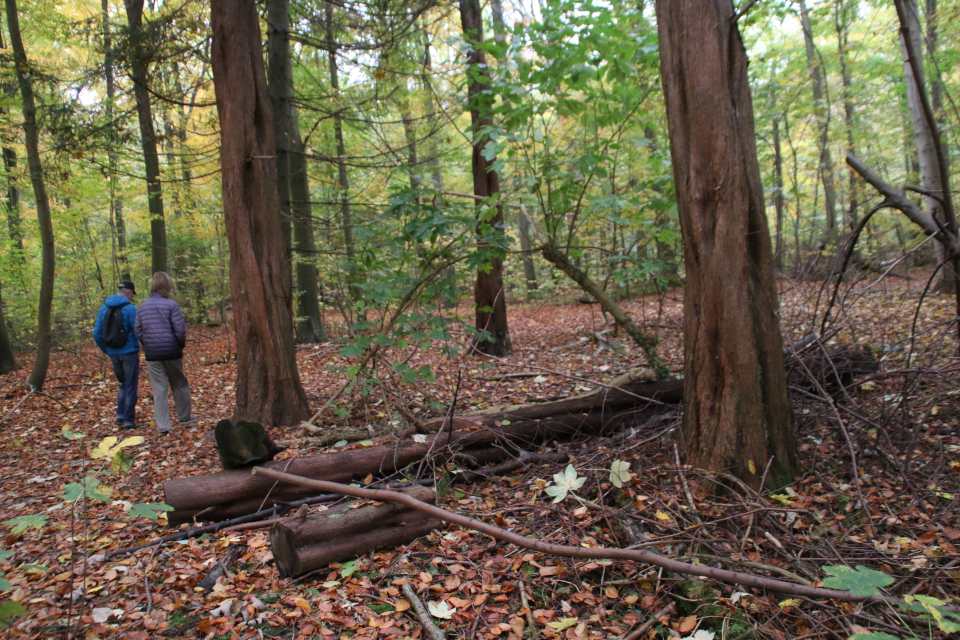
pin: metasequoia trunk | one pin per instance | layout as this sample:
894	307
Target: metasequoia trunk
821	109
302	544
280	81
148	138
268	387
32	140
737	415
489	296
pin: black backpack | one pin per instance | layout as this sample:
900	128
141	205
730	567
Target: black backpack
112	331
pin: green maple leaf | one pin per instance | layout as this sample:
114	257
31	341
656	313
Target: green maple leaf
564	483
149	510
859	581
22	523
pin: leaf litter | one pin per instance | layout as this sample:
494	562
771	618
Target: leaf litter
901	423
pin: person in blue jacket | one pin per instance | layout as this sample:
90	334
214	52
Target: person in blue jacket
125	359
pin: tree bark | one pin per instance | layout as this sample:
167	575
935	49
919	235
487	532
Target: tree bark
47	251
8	362
529	269
821	109
148	138
117	226
280	81
310	318
737	415
844	14
268	388
302	544
343	177
493	334
778	200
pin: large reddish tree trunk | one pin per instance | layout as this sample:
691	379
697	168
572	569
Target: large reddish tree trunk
736	412
489	296
268	384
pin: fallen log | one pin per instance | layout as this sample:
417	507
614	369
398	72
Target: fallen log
491	436
302	544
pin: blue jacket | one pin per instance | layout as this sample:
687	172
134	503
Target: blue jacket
161	329
129	319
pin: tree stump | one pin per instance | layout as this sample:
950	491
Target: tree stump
242	444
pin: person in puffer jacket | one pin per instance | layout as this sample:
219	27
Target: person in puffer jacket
125	359
162	331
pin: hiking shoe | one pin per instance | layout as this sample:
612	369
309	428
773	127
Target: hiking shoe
190	420
131	426
164	433
118	422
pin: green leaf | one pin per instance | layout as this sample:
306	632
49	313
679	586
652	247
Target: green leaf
5	585
9	610
859	581
90	488
22	523
876	635
149	510
349	569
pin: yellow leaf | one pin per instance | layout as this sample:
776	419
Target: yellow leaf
752	467
401	605
561	625
304	605
662	516
791	602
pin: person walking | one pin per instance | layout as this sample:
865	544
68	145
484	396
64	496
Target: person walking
162	331
114	334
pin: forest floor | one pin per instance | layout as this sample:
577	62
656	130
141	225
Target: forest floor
897	513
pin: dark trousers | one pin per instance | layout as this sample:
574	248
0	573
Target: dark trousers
127	370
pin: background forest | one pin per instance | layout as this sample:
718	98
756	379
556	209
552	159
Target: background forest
374	147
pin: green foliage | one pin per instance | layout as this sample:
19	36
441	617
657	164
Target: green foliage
150	510
90	488
22	523
859	581
9	610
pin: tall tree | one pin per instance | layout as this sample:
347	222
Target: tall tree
489	295
843	15
292	178
923	134
822	111
268	383
48	256
117	224
736	415
343	178
8	362
148	136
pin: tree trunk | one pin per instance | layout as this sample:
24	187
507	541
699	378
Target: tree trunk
930	178
778	201
13	201
47	252
268	388
8	362
117	225
737	415
844	14
493	335
343	178
148	137
821	108
280	81
310	319
529	270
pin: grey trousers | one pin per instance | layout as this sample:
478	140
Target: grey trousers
164	374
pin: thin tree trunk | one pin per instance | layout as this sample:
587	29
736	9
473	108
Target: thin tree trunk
13	201
529	270
148	138
821	108
343	178
8	362
778	201
268	388
430	106
736	415
843	16
47	252
116	204
489	296
310	323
